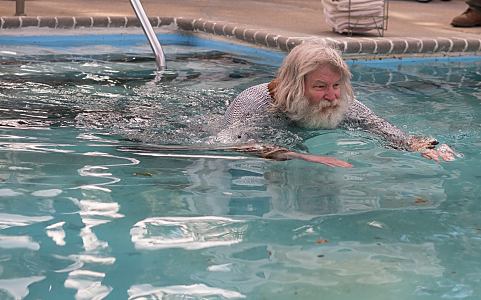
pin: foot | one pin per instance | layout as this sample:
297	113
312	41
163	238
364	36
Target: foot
470	18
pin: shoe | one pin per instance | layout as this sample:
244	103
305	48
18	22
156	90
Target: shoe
469	18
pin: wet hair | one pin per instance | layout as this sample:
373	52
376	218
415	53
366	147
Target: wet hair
302	60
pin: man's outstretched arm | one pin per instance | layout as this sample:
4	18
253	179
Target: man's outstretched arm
266	151
361	116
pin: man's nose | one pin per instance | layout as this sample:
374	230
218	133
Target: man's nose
330	94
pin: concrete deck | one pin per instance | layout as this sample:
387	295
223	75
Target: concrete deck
412	27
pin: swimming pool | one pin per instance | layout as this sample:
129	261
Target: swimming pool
82	219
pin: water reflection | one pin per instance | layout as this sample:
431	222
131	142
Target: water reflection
333	270
88	284
14	220
13	242
298	190
376	263
190	233
96	207
195	291
95	171
17	288
46	179
56	233
78	217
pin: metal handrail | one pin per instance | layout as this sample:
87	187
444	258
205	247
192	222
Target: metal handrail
149	32
144	21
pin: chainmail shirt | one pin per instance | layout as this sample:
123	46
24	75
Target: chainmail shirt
254	102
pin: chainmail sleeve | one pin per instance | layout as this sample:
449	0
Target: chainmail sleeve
361	116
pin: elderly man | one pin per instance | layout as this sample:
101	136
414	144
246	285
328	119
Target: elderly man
313	90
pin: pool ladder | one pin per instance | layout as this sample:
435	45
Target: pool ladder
150	34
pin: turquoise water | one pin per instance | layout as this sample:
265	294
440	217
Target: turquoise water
81	219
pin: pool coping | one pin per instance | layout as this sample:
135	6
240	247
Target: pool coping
352	46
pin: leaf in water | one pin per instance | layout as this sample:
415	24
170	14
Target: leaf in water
376	224
146	174
420	201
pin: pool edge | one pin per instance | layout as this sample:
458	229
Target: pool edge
352	47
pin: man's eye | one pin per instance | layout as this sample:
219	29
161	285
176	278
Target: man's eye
319	86
337	85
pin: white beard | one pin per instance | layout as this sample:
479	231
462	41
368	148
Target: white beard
325	115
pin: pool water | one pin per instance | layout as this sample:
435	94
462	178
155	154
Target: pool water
83	219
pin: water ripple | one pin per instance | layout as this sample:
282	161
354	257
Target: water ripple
88	284
13	242
194	291
18	287
190	233
13	220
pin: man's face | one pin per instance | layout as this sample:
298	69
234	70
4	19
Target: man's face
322	106
322	87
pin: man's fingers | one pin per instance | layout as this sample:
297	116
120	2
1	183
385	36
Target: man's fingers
443	152
446	153
431	154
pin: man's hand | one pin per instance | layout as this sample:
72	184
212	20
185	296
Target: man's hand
443	151
427	148
421	143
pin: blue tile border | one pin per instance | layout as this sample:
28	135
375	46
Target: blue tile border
350	46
